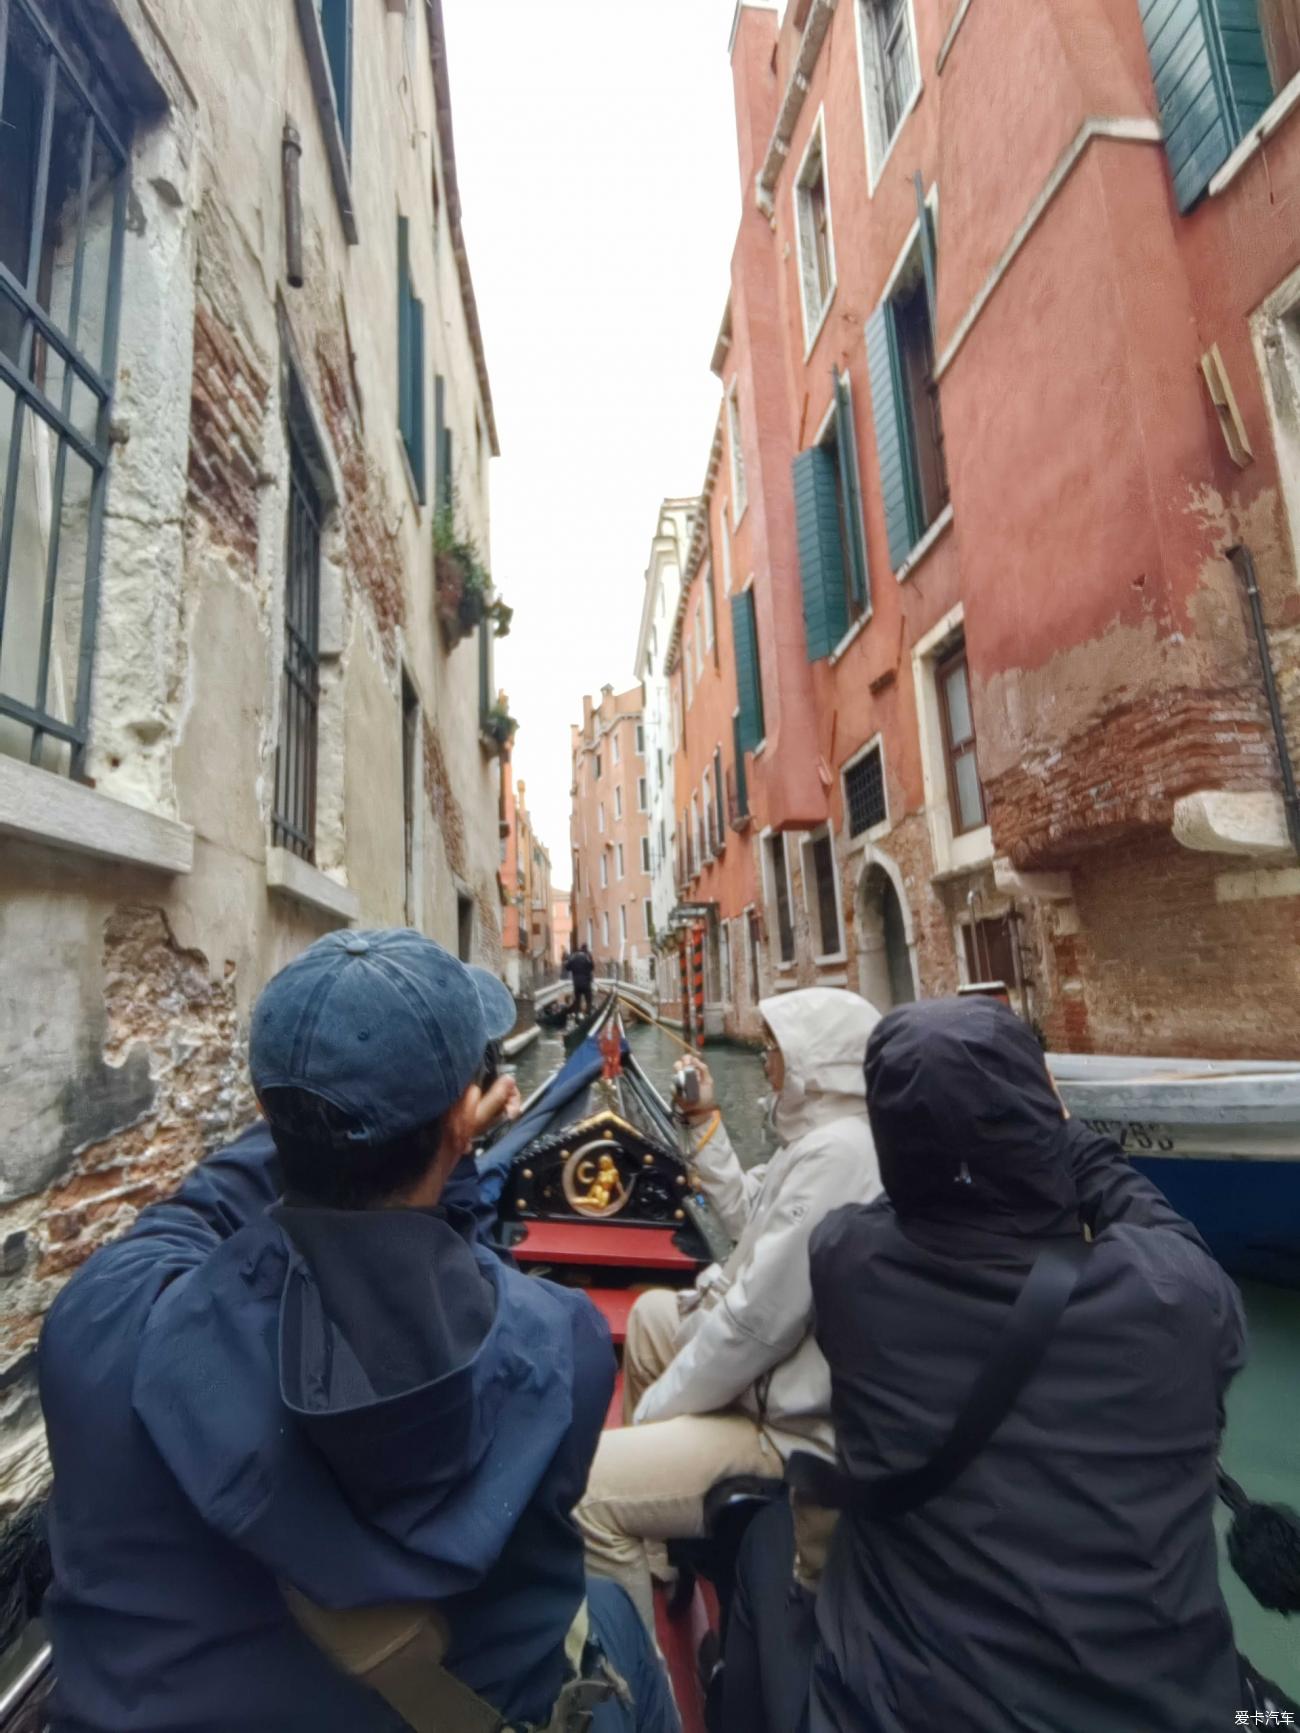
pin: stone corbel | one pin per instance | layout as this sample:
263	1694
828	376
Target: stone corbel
1035	887
1219	822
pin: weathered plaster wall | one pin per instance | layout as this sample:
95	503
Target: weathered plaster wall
125	993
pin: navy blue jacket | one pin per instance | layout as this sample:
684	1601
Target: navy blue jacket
371	1407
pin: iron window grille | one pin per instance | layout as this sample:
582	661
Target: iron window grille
864	792
293	823
64	172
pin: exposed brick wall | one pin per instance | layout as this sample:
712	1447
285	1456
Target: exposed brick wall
227	402
1122	775
1159	964
442	800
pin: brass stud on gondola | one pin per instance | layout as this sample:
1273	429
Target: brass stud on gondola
681	1179
521	1203
679	1215
528	1173
647	1161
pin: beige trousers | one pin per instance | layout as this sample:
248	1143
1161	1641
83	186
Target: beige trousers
648	1483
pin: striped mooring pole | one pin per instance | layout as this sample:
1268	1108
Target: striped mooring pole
697	973
683	957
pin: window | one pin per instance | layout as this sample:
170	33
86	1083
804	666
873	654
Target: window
706	806
964	789
749	676
697	646
619	854
739	491
816	248
410	753
613	748
410	363
697	835
604	926
62	258
326	30
989	947
443	445
604	870
663	841
905	401
739	794
779	879
648	916
659	759
864	792
1217	65
726	553
598	767
821	892
622	925
889	73
710	610
642	804
719	798
688	658
755	979
687	841
832	538
465	927
645	854
600	817
618	804
640	739
591	934
293	818
724	939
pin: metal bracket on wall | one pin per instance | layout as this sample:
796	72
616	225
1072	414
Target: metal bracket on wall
1224	400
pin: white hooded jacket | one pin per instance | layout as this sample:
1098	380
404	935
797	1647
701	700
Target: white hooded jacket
746	1340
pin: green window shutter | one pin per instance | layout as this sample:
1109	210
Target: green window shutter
719	797
821	551
749	677
404	330
897	485
1208	83
442	469
851	488
484	671
925	232
336	28
415	445
742	782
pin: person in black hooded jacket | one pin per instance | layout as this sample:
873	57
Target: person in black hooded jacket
1066	1581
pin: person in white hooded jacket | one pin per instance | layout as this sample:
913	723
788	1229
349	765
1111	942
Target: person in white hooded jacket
726	1379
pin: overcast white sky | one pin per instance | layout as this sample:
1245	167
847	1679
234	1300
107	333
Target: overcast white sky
595	142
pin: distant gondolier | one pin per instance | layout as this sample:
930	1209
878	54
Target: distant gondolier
580	968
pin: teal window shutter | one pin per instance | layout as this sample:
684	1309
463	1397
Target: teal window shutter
441	456
1212	83
404	329
415	445
897	472
749	676
336	28
851	489
742	781
484	671
925	231
821	551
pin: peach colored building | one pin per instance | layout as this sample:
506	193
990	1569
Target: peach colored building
610	836
561	928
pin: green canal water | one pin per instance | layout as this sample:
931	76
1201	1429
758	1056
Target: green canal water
1262	1446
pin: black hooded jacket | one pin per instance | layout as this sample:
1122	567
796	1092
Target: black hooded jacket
1067	1581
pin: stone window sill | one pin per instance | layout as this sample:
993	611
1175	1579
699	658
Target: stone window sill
290	877
942	523
40	807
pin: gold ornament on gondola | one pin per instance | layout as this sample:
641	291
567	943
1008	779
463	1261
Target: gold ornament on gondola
593	1183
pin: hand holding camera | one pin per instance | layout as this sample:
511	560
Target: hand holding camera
693	1096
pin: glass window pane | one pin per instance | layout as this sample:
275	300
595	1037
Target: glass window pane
20	129
960	727
970	801
827	911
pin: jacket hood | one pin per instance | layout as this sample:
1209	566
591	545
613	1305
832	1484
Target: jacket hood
967	1125
822	1033
352	1396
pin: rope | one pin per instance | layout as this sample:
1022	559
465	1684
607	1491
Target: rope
655	1022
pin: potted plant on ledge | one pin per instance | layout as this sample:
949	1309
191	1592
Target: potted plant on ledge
497	728
463	584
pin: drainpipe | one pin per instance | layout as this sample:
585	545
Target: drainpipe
1244	566
291	156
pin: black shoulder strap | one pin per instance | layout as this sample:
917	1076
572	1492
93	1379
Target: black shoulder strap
1020	1348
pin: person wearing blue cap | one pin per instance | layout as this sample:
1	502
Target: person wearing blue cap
316	1446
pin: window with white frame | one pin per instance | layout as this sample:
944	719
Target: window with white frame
865	805
710	610
618	803
697	647
726	553
640	739
600	818
648	916
822	895
739	489
779	899
890	73
724	941
591	934
622	925
959	831
642	804
697	830
604	870
604	926
816	241
613	748
645	854
619	854
688	662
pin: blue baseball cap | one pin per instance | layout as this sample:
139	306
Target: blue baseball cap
386	1026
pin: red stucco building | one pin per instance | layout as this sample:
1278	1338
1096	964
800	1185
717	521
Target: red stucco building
610	836
1009	417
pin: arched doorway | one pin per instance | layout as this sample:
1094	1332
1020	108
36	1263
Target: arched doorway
888	978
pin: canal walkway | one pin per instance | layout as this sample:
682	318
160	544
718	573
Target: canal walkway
1262	1446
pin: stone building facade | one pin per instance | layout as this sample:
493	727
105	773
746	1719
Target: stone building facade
610	836
248	373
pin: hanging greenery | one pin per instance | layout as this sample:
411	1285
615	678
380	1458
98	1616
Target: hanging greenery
497	728
465	597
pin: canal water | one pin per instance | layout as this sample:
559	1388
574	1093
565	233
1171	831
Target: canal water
1262	1445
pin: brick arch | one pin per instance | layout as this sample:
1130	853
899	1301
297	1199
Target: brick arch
877	970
